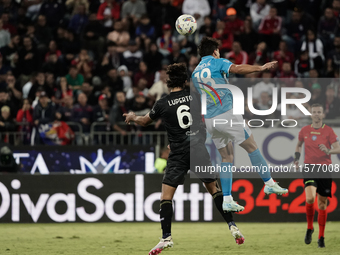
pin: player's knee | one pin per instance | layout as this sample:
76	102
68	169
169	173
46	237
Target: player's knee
310	200
322	204
249	145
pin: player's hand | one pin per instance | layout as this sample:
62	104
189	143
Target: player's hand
269	66
296	163
323	148
129	117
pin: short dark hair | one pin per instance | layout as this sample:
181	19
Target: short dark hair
207	46
317	105
177	75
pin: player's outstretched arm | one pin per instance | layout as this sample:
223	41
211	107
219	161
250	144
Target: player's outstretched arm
297	155
334	150
140	120
246	69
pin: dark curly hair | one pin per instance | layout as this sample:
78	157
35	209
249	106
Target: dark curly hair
207	46
177	75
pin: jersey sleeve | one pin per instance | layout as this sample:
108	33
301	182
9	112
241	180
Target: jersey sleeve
155	112
225	65
301	136
333	137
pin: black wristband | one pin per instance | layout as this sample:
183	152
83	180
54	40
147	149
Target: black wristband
297	156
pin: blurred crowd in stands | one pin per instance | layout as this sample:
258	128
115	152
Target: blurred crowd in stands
89	61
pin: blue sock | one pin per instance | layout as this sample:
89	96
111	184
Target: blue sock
226	178
257	159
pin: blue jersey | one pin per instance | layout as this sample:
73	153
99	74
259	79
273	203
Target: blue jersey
212	71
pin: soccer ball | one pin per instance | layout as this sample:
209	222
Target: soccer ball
186	24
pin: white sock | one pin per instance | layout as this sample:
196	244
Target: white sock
270	182
228	199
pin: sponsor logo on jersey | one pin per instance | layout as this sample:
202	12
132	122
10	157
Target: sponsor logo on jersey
314	137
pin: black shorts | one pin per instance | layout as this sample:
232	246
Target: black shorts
179	163
323	186
319	179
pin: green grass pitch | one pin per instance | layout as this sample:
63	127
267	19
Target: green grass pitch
139	238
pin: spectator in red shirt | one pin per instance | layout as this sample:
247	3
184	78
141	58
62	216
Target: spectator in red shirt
25	116
107	11
227	39
65	88
143	72
283	55
240	56
303	65
287	75
270	28
233	24
52	49
336	8
83	63
25	113
6	25
164	43
260	56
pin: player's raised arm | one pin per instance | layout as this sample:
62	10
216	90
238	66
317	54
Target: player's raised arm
140	120
246	69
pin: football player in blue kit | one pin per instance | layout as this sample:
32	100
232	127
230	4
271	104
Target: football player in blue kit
215	70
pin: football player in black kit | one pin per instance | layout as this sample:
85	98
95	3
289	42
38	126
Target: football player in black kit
187	135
